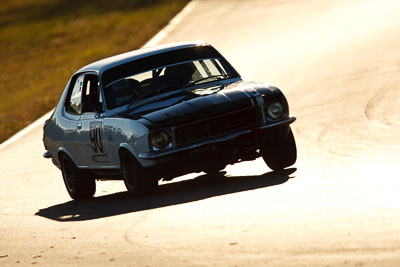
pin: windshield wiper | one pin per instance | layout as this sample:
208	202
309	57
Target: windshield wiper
147	94
140	103
219	77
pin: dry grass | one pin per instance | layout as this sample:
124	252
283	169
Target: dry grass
42	42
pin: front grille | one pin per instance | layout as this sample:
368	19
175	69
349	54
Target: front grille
215	126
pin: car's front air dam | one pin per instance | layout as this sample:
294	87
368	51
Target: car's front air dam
257	130
232	151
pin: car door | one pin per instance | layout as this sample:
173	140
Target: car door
90	126
71	116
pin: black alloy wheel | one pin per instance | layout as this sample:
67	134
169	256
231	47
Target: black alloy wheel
134	175
78	184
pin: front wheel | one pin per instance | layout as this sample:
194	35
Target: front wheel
78	184
135	179
280	153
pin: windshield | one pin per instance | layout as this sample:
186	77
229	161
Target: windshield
165	79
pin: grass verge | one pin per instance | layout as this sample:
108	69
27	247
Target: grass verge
43	42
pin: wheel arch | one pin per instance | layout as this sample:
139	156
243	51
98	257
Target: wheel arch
126	148
63	151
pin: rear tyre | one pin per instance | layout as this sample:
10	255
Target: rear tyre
281	153
135	179
78	184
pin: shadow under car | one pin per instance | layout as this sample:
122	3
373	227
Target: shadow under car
201	187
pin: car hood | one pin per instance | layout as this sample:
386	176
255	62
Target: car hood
204	102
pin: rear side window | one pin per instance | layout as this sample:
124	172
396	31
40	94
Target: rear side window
90	93
74	101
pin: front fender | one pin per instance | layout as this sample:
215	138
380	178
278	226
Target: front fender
135	153
131	135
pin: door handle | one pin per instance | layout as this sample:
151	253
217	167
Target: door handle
79	125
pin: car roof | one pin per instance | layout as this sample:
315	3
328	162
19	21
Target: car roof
110	62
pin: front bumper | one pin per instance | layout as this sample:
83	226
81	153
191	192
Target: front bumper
162	154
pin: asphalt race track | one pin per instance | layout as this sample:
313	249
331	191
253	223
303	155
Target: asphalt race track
338	62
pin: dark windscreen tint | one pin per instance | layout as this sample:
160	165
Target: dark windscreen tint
158	60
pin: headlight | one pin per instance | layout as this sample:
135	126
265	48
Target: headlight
160	140
275	110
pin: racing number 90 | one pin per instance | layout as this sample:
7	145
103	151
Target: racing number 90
95	138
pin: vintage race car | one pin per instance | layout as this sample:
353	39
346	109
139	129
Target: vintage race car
161	112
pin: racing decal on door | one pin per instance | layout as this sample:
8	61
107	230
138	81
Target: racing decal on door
98	153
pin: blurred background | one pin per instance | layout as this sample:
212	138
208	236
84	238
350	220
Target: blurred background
43	42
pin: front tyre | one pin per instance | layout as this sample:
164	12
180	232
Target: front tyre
78	184
135	179
280	153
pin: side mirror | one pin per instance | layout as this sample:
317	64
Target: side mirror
98	108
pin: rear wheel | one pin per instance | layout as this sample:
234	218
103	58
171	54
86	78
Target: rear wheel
280	153
135	178
78	184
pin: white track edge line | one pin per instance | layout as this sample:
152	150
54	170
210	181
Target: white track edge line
153	41
171	25
26	130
